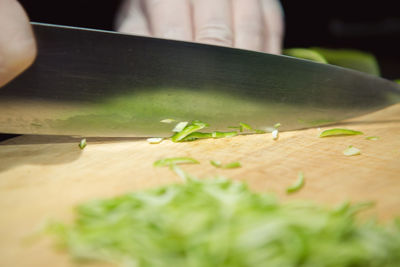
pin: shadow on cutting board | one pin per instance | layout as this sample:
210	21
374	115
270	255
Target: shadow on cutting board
45	150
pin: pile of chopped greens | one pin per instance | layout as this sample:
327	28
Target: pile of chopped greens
219	222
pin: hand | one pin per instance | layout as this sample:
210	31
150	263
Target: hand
17	44
247	24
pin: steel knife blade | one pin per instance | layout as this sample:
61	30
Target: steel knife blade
96	83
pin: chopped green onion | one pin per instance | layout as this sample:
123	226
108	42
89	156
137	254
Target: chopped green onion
175	161
245	126
82	143
167	120
155	140
216	163
221	222
231	165
339	132
297	185
191	128
275	134
180	126
277	125
181	173
374	138
223	134
196	135
351	151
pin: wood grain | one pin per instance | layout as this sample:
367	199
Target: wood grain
44	177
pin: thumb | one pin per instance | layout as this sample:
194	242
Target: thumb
17	43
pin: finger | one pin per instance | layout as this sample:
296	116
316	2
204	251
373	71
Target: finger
131	18
17	43
248	24
273	21
213	22
169	19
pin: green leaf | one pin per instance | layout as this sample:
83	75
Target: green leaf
339	132
297	185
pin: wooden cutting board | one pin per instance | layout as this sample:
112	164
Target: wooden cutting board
43	177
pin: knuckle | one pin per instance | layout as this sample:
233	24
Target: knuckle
251	28
216	33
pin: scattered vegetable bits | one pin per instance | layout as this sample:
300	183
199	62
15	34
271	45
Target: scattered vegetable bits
297	185
219	222
82	143
351	151
231	165
373	138
339	132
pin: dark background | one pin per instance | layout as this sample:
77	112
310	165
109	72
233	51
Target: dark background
373	26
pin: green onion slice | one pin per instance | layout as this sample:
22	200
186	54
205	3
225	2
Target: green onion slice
82	143
275	134
277	125
167	120
180	126
297	185
351	151
216	163
245	126
339	132
191	128
231	165
374	138
155	140
175	161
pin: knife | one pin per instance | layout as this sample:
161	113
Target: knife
98	83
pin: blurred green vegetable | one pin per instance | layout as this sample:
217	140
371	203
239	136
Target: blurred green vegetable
305	53
231	165
297	185
82	143
219	222
339	132
347	58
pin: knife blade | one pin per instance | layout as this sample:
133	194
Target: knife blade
96	83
